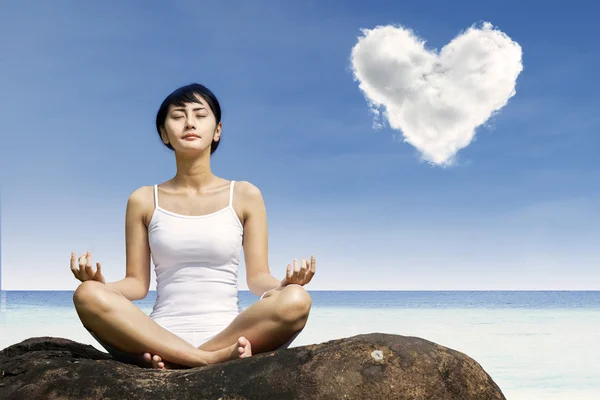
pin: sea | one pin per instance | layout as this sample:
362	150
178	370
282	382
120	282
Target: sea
536	345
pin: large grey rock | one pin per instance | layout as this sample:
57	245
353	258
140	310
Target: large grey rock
372	366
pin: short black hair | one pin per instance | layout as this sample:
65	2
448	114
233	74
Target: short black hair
188	94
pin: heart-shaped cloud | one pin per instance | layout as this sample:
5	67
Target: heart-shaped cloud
436	100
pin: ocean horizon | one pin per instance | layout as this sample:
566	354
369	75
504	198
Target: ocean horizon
535	344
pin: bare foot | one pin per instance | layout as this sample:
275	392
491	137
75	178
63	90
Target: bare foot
241	349
154	361
157	362
244	348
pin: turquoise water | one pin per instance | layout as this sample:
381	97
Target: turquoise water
535	345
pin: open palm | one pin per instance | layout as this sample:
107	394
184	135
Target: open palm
300	274
84	270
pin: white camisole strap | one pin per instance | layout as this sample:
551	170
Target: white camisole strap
231	194
156	196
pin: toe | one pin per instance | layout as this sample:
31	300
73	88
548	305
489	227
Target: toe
156	362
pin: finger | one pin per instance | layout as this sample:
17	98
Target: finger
312	266
98	271
82	271
294	271
296	274
88	264
73	262
303	269
74	268
289	271
309	270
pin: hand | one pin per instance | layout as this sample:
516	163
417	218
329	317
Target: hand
300	275
85	272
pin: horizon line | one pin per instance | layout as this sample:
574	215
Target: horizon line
363	290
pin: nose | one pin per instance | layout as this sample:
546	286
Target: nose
189	121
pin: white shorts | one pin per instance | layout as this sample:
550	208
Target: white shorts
195	338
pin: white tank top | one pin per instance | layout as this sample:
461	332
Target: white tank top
196	262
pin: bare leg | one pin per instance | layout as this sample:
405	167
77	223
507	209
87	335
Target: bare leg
118	322
268	323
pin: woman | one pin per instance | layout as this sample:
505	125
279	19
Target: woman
194	227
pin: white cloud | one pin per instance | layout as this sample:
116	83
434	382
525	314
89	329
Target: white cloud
436	100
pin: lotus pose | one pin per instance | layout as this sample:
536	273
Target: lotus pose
193	228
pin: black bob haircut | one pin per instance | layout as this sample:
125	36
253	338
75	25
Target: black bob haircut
188	94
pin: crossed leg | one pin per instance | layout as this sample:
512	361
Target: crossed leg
115	320
267	324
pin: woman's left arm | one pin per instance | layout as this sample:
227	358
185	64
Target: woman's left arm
258	274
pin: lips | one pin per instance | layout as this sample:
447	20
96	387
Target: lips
190	135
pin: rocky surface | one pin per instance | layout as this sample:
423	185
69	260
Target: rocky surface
371	366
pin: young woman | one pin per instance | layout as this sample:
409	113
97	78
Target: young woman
193	227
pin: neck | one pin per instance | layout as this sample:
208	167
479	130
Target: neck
193	171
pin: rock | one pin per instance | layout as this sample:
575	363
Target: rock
371	366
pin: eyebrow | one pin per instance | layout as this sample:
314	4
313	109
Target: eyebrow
194	109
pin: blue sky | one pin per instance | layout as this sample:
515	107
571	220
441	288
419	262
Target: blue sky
81	83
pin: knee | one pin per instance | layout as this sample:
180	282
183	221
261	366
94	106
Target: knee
293	304
90	296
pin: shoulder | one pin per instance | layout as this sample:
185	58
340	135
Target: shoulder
250	199
142	196
247	191
141	202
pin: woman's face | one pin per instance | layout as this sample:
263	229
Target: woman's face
191	128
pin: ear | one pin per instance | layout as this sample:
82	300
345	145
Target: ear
217	134
163	136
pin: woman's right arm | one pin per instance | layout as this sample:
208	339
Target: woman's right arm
136	284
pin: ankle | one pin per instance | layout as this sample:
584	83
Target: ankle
205	358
